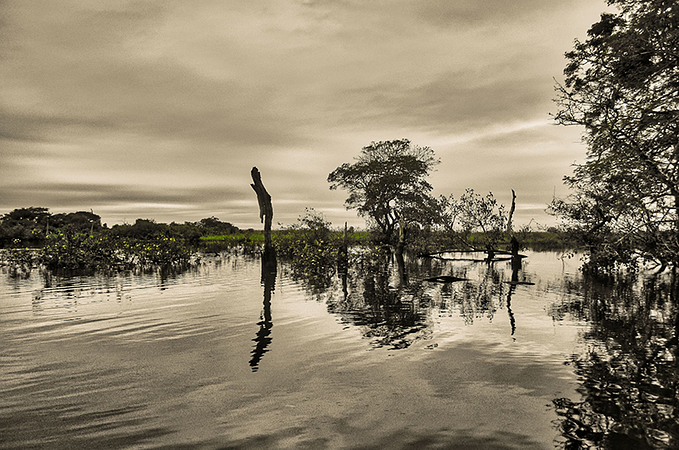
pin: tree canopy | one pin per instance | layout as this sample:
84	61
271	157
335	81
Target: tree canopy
622	85
33	223
387	184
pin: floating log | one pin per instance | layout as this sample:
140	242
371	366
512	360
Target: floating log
451	251
497	252
445	279
441	258
473	259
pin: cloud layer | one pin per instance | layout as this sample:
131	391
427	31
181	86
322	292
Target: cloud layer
160	108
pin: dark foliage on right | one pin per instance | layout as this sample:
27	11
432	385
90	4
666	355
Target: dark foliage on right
622	85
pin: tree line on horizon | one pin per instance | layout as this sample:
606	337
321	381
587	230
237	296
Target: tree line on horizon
33	225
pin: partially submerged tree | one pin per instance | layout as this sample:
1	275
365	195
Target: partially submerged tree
313	248
387	185
265	209
475	212
472	213
622	85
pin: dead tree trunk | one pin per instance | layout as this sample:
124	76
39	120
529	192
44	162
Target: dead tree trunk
265	208
511	212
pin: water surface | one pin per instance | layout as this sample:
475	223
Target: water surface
231	356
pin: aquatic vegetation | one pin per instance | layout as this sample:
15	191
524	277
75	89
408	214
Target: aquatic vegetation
250	243
20	261
104	251
312	247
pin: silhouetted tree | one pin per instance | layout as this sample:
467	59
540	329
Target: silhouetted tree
142	228
387	185
622	85
79	222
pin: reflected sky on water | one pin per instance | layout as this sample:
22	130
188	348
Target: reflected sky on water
237	355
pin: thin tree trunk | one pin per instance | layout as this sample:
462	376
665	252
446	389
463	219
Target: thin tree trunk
511	212
675	256
265	207
343	256
400	245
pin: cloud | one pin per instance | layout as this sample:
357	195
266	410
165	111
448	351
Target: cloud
90	69
470	13
70	195
164	103
455	102
42	127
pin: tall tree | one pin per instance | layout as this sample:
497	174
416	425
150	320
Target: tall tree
387	185
622	85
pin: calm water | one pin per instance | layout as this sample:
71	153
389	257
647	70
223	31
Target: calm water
230	356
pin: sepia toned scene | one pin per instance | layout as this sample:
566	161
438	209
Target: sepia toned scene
332	224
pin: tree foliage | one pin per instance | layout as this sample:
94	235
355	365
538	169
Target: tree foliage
622	85
473	212
33	224
312	247
214	226
387	185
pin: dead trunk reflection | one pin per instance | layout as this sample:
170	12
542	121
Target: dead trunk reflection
263	338
516	266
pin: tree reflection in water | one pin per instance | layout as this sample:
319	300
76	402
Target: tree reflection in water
390	300
628	373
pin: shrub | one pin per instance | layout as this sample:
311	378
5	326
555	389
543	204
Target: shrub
105	251
312	247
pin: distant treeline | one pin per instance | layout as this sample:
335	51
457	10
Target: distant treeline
31	227
78	241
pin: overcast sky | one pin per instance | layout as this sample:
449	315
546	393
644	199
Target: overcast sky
159	109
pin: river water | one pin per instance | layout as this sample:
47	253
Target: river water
231	356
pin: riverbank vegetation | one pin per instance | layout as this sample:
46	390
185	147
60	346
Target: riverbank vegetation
79	242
